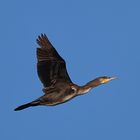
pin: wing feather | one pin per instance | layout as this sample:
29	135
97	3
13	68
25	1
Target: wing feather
50	65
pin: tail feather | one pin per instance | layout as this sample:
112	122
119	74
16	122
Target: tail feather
26	106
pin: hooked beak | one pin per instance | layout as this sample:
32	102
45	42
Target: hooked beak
113	78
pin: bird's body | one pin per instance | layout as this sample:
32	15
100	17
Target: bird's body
58	87
61	92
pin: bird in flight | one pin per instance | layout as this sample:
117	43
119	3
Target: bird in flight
58	87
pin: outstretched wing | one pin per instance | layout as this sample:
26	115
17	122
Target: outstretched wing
50	65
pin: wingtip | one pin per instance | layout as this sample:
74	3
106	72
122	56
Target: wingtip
43	41
42	35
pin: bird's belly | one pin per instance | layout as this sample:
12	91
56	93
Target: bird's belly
61	100
68	97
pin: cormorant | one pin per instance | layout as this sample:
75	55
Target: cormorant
58	87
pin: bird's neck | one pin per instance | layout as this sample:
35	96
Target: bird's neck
87	87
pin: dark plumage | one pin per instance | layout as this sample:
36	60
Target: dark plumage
58	87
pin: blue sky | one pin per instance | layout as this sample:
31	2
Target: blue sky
96	38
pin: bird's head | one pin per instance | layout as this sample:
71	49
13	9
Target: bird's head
94	83
105	79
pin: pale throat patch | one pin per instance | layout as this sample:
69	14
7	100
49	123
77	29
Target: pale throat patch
105	81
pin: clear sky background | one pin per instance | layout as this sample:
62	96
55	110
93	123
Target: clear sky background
96	38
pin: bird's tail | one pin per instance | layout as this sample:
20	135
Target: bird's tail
34	103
